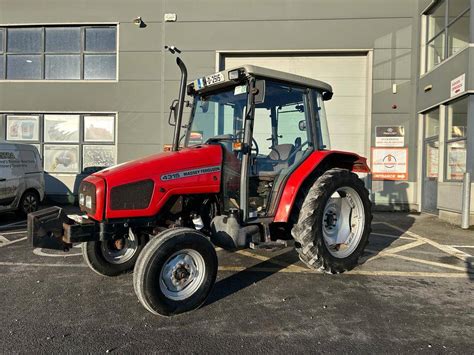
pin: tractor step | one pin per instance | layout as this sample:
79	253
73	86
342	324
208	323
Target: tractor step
272	245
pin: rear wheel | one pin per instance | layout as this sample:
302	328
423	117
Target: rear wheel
113	257
333	226
176	272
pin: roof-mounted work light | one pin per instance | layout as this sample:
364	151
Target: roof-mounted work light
234	74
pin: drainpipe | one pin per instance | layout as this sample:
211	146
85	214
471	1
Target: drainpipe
466	201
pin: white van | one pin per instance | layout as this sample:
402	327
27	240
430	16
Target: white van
21	178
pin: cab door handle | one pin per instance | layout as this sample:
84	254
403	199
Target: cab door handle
3	179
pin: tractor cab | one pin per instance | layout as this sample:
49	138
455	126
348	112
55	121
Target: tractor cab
267	122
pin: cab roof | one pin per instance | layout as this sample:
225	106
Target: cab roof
261	72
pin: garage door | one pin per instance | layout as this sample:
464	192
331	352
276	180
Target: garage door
347	111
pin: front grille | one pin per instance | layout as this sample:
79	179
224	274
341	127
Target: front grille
87	189
134	196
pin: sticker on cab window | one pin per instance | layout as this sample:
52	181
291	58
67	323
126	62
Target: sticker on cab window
241	89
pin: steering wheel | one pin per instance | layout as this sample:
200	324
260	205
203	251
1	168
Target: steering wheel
255	149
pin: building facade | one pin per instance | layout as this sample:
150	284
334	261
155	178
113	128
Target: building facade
90	84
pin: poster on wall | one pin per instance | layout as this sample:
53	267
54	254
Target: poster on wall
22	128
61	128
390	163
61	158
99	128
98	156
389	136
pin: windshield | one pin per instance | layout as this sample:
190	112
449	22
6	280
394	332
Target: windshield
217	114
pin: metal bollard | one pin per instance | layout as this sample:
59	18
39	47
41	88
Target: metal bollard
466	201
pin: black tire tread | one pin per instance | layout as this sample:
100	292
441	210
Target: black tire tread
310	244
140	270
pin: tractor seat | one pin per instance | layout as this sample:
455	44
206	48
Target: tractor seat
277	160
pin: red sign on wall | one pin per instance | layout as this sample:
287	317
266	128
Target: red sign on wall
389	163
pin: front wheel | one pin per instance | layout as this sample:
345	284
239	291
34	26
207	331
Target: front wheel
113	257
176	272
334	222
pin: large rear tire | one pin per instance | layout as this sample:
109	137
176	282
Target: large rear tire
176	272
113	257
334	221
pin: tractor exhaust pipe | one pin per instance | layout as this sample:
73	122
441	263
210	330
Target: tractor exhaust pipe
181	97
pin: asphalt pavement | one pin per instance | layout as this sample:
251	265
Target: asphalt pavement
413	292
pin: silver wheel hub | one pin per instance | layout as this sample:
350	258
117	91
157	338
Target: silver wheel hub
343	222
121	250
182	274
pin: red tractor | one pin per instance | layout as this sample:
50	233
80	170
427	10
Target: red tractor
252	168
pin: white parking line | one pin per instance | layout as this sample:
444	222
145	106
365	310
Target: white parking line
392	236
40	252
391	251
3	240
444	248
13	232
12	242
8	263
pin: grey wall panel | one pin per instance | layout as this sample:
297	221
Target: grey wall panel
383	99
392	63
135	39
52	11
285	35
199	63
440	79
127	152
139	128
136	96
450	196
140	66
230	10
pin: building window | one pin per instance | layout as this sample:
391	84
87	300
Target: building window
456	139
447	30
68	143
58	53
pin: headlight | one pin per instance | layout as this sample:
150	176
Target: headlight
81	199
88	202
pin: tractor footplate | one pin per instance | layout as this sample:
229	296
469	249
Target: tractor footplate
270	246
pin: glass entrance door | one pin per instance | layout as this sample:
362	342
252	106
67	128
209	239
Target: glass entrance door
431	161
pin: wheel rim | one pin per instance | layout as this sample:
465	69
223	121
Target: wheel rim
121	250
343	222
182	274
30	204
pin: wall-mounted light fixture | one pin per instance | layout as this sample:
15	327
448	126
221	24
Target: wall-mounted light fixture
138	21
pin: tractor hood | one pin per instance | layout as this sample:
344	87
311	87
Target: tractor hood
162	164
140	187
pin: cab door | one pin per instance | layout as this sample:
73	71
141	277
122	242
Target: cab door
281	140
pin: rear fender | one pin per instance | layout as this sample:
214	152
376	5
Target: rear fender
309	170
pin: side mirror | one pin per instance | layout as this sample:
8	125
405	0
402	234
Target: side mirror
173	113
302	125
260	97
